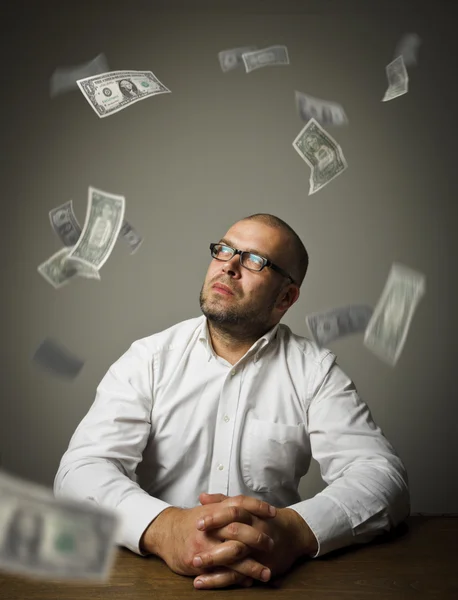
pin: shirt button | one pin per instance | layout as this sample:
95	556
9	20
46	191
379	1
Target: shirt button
226	418
233	372
220	467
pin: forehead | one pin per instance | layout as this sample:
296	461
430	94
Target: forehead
255	237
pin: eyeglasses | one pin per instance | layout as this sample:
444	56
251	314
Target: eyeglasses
250	261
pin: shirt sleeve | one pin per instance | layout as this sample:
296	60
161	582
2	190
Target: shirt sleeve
367	490
100	462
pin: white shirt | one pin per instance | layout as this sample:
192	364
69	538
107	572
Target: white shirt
171	419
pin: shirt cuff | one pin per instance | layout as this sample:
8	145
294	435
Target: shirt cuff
136	512
328	522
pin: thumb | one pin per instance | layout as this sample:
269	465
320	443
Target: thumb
209	498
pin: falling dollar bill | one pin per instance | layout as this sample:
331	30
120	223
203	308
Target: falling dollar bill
65	224
104	217
321	152
336	323
67	228
53	357
398	79
323	111
231	59
64	78
267	57
108	93
58	271
130	235
43	537
387	329
407	47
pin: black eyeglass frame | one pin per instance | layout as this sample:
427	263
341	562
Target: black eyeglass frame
265	261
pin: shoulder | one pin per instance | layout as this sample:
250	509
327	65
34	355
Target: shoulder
167	338
314	362
315	355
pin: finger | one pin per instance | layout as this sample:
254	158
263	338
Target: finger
253	505
205	498
237	523
245	533
230	513
235	556
222	577
222	516
257	507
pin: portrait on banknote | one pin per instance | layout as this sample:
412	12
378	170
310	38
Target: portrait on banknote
23	536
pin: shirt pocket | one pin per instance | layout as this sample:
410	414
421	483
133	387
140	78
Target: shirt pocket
272	454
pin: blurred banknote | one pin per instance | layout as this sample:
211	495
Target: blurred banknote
108	93
65	224
398	79
43	537
231	59
387	329
407	47
324	112
336	323
321	152
104	217
52	356
64	78
130	235
267	57
58	271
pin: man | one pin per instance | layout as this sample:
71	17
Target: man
235	404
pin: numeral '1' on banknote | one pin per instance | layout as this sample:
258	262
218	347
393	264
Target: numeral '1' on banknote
108	93
386	332
321	152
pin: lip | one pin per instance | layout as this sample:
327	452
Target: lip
223	289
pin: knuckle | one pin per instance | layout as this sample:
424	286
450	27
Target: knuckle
239	499
240	550
255	569
234	576
188	561
208	561
235	512
233	528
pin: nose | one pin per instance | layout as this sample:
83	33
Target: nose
231	265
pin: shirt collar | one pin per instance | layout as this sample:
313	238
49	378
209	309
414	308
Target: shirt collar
256	349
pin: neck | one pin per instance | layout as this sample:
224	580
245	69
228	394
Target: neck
230	346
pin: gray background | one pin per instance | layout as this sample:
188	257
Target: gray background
218	148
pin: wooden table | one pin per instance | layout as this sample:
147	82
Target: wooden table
418	559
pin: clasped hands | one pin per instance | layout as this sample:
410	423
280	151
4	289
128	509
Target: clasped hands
251	547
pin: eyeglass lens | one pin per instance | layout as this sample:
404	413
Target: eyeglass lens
250	261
